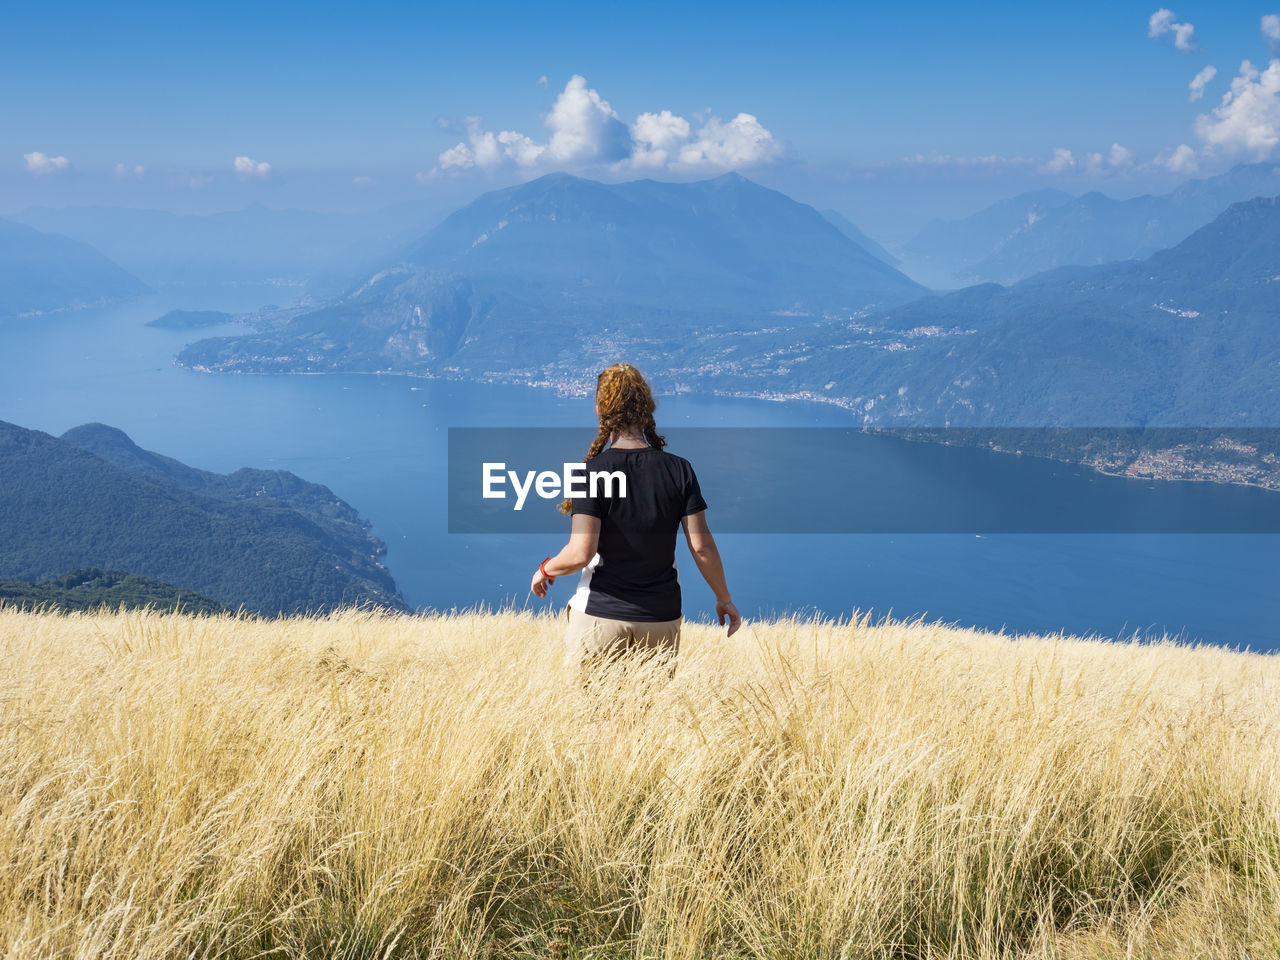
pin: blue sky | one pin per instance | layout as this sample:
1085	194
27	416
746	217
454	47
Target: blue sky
351	106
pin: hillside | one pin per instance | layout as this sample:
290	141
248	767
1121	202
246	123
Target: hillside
1189	336
256	244
855	233
946	250
1088	230
45	273
507	281
266	541
724	244
91	589
364	786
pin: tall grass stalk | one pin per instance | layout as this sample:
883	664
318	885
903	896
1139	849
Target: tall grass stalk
361	786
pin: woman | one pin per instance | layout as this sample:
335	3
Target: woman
628	597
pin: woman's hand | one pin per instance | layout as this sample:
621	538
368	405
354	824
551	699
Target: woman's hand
540	583
584	538
725	608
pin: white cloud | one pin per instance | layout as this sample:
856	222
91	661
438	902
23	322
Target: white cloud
40	163
1062	161
542	81
362	181
1181	159
123	170
1164	21
1199	82
520	148
1271	31
585	130
485	151
742	142
457	156
1248	119
658	138
1099	164
248	167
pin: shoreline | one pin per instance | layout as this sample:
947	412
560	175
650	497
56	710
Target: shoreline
795	397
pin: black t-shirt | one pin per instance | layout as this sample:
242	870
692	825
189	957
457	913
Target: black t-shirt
633	575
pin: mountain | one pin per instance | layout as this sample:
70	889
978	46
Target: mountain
514	280
852	231
92	589
45	273
1188	337
723	245
1088	230
1095	229
946	250
288	248
264	540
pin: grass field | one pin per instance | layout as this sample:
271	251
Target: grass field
367	786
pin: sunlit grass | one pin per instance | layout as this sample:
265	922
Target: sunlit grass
368	786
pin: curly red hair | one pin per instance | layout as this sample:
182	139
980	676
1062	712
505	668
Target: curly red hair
624	402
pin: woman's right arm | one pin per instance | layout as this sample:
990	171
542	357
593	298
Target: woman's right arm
707	556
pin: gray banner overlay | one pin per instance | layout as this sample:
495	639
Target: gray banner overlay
956	480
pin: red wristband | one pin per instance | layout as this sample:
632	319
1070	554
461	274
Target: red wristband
542	569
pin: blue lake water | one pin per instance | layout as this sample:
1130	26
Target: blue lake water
380	443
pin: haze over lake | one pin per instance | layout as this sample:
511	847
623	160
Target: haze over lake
380	443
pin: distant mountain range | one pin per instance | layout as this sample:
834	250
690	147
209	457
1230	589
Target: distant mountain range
293	249
522	275
45	273
264	540
723	286
854	233
1039	231
1190	336
946	251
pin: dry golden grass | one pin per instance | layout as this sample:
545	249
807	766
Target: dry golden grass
367	786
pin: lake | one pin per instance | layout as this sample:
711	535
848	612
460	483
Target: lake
381	444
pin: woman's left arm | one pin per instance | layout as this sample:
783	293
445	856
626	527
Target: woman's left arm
584	539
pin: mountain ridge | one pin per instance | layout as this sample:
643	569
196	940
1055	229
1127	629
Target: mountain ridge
1188	337
509	278
289	247
42	273
1087	230
266	541
856	234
